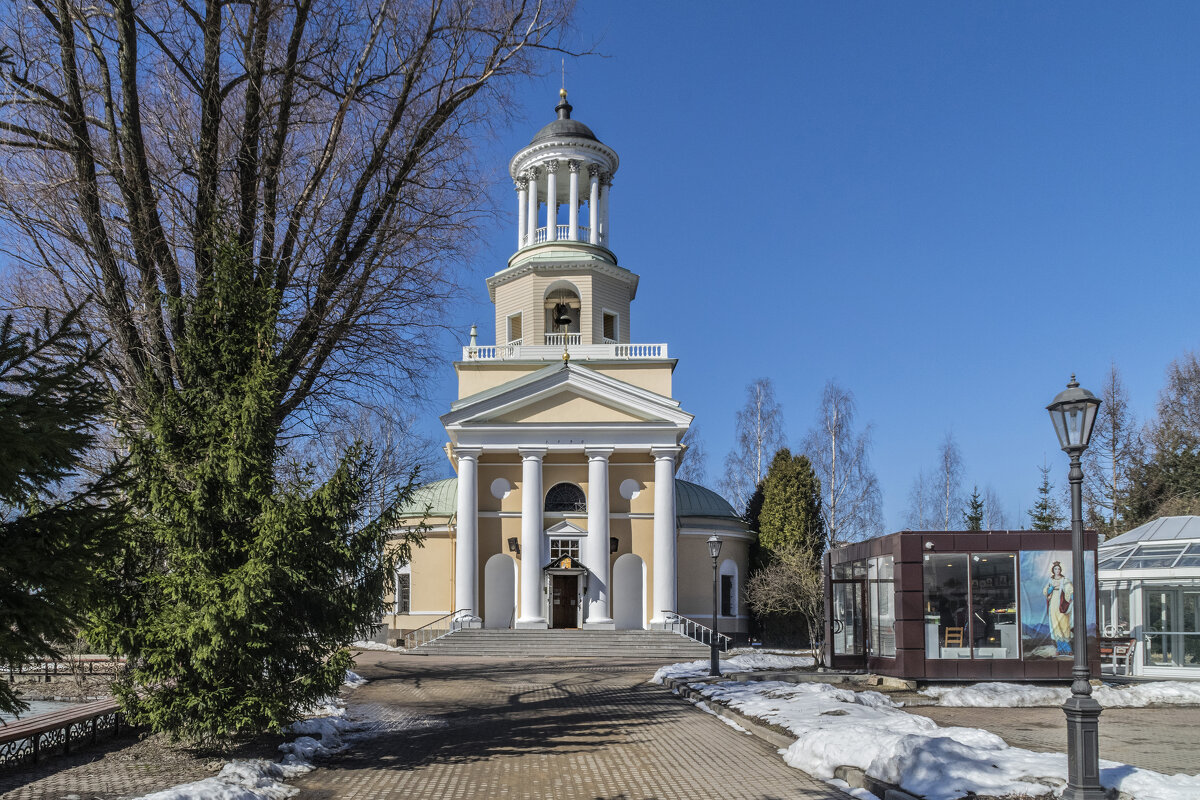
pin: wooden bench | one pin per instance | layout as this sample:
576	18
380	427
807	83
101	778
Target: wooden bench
26	740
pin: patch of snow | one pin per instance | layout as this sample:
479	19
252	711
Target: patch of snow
861	794
364	645
1019	695
836	727
354	680
707	709
238	780
744	662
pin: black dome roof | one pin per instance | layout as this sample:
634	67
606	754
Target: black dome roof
564	126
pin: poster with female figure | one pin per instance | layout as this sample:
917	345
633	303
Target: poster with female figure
1048	594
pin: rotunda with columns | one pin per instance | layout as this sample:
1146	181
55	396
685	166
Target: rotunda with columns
565	512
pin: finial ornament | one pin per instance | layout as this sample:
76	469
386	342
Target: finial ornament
1073	383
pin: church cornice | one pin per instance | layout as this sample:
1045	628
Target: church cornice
587	257
563	149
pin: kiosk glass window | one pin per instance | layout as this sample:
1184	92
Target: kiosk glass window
882	607
994	631
1114	612
947	608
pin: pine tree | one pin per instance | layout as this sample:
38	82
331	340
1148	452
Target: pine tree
1046	514
973	514
236	594
53	524
790	518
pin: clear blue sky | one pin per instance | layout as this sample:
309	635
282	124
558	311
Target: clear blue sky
948	207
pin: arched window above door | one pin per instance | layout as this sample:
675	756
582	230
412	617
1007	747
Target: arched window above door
566	497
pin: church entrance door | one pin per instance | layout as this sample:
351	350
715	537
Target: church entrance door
564	601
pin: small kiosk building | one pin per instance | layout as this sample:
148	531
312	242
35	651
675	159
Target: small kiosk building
957	605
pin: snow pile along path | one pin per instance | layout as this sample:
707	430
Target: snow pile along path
838	727
745	662
365	645
1018	695
258	779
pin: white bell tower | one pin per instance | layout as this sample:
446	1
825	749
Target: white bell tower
563	288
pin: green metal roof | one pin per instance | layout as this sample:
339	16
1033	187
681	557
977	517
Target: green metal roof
691	500
440	497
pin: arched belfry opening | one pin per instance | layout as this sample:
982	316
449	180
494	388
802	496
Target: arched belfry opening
564	310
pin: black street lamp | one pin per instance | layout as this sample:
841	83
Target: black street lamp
714	550
1073	412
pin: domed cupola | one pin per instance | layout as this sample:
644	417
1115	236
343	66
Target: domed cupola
564	170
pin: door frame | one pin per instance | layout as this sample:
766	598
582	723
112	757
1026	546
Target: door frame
850	660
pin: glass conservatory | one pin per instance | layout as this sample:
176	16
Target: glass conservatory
1150	597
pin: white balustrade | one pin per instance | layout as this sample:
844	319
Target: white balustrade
564	235
553	352
563	339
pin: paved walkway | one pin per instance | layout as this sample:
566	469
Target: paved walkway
1161	739
476	728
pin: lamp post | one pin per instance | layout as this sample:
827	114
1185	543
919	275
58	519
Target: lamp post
1073	413
714	550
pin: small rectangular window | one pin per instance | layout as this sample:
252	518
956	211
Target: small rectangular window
514	329
610	327
564	547
403	604
727	595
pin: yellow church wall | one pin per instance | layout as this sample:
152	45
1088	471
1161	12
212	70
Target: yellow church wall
612	295
695	593
475	377
490	471
653	376
567	407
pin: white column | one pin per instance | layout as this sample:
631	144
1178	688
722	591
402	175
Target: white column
531	217
551	201
466	552
605	183
595	555
531	539
594	204
573	199
664	533
522	208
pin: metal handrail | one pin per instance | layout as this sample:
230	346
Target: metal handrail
694	630
442	626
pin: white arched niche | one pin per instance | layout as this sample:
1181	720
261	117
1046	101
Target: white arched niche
629	593
499	591
729	567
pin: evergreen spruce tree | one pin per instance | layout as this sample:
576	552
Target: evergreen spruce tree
236	594
790	518
53	524
974	513
1046	514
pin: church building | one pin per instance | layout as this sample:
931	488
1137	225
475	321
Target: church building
565	512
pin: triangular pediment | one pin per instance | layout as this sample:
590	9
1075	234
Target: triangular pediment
565	528
566	394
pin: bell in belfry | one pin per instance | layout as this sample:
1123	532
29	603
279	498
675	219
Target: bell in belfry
562	314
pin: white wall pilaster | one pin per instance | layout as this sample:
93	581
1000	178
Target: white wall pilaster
595	555
531	539
466	552
664	534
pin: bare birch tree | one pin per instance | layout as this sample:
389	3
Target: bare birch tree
840	456
1112	453
758	435
330	141
922	512
994	518
693	464
949	479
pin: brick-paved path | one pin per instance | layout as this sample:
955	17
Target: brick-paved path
1161	739
569	728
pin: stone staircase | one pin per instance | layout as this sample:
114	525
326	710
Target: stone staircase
665	646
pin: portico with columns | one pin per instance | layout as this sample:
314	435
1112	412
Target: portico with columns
565	438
